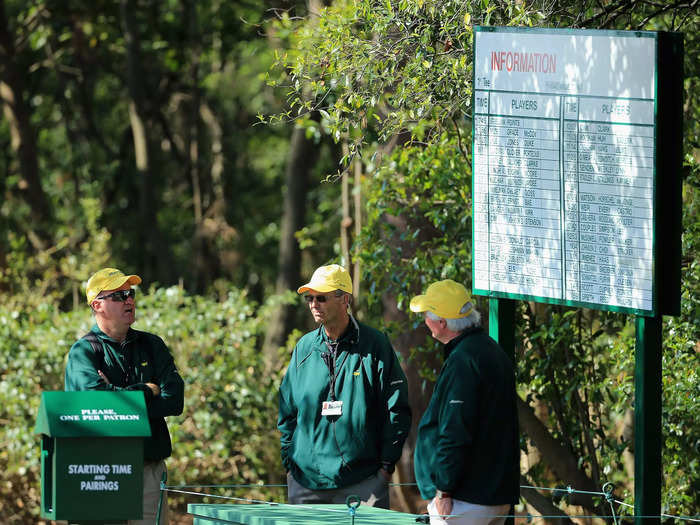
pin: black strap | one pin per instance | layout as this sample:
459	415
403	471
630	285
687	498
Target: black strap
329	359
96	345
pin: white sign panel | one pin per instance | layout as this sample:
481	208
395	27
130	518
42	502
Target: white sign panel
563	166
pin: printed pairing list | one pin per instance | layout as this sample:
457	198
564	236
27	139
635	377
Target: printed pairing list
563	183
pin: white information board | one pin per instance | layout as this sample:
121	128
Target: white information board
564	166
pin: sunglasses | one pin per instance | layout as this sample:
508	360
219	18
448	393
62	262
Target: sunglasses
319	298
120	295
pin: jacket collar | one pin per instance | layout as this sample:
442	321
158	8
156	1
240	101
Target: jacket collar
351	336
131	334
452	344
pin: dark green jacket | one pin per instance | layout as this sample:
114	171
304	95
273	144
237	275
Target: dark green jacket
467	442
328	452
142	358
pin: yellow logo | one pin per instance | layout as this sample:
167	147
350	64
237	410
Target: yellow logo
356	373
145	363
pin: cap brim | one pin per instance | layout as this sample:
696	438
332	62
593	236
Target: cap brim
418	303
119	281
318	287
116	283
133	279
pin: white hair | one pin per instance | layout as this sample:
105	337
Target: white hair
459	325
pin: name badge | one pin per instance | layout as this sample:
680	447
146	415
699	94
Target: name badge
332	408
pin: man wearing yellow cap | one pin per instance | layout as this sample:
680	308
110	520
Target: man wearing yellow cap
343	404
113	356
467	457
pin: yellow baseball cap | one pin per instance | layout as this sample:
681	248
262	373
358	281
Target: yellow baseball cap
107	279
444	298
327	279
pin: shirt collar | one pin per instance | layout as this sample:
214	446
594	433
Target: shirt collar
351	335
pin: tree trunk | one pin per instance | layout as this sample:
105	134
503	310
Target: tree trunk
201	258
303	154
420	390
23	136
358	223
346	221
544	505
407	498
558	458
149	233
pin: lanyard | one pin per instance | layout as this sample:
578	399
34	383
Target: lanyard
329	359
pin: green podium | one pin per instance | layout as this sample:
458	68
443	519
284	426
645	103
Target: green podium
92	455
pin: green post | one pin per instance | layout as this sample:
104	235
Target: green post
502	324
502	329
647	420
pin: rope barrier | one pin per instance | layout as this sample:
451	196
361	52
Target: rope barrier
247	500
608	490
695	519
232	486
607	493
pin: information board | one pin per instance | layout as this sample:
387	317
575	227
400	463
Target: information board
564	166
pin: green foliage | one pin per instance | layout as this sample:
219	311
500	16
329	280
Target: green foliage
382	75
32	279
373	67
414	199
226	433
202	74
577	367
681	362
428	188
34	341
397	75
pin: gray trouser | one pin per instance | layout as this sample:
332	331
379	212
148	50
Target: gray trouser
152	474
373	491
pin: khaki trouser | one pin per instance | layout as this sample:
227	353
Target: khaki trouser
464	513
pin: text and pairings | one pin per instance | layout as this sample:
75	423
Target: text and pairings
563	168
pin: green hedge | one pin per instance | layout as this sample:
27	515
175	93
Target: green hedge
227	433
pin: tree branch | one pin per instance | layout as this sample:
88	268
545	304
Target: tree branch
558	458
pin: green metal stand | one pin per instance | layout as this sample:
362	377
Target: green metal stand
647	420
502	329
502	324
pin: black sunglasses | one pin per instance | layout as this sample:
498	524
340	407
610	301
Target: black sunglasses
319	298
120	295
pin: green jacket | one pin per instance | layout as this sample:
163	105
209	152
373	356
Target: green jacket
467	442
142	358
328	452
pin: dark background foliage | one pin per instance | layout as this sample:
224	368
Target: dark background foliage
223	150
